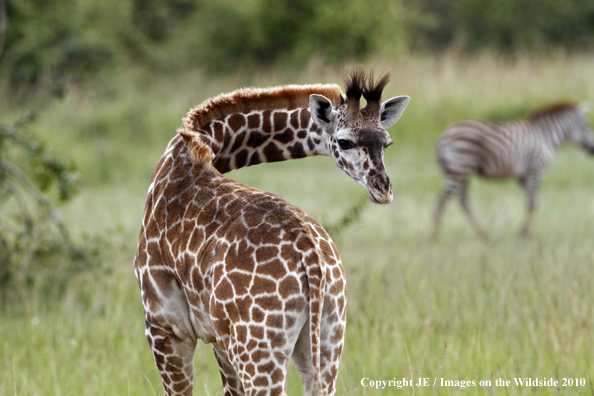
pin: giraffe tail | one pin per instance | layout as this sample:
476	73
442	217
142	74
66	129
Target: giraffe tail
316	280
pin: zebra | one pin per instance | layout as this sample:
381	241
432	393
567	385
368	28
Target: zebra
519	149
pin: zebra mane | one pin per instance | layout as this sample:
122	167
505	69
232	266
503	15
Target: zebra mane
553	110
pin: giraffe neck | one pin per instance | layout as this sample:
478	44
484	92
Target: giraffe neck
243	139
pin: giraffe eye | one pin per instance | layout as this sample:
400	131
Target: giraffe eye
345	144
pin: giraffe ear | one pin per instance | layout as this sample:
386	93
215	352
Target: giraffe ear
322	112
392	109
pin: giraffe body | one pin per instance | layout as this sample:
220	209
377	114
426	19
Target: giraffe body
239	268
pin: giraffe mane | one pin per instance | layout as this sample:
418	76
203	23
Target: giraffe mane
245	100
553	109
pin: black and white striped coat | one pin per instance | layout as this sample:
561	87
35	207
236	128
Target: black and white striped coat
519	149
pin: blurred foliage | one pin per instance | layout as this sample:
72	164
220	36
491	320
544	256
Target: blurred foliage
505	25
30	229
76	38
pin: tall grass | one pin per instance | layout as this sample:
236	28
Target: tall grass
459	309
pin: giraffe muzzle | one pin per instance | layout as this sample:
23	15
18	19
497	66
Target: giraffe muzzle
380	191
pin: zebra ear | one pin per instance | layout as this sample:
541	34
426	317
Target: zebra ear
392	109
322	112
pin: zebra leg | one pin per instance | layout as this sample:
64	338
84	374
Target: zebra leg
466	207
530	184
452	184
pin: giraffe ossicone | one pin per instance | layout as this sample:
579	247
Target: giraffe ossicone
242	269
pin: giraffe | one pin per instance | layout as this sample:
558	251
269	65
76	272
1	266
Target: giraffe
242	269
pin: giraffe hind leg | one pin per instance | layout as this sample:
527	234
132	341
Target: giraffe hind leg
231	381
174	359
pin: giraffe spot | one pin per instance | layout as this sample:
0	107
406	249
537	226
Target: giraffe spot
295	304
250	369
297	151
259	355
217	128
236	121
304	118
175	376
266	253
272	152
240	282
161	345
180	386
280	120
341	303
253	121
257	139
159	360
154	251
269	303
266	367
258	315
239	256
277	375
251	345
254	159
241	333
261	286
337	274
277	338
276	391
275	269
326	354
284	137
232	312
295	119
329	309
260	381
310	144
244	304
238	141
302	134
266	122
288	287
304	243
241	159
290	320
224	290
257	332
337	335
274	320
222	164
312	259
337	288
317	130
244	357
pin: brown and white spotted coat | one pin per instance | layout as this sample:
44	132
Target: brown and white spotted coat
243	269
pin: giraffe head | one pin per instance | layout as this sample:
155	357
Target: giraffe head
357	136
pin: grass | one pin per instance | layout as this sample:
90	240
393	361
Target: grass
458	309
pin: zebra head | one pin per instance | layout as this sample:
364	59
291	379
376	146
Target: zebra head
357	136
581	134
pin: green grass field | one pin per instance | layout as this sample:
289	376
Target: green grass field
458	309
